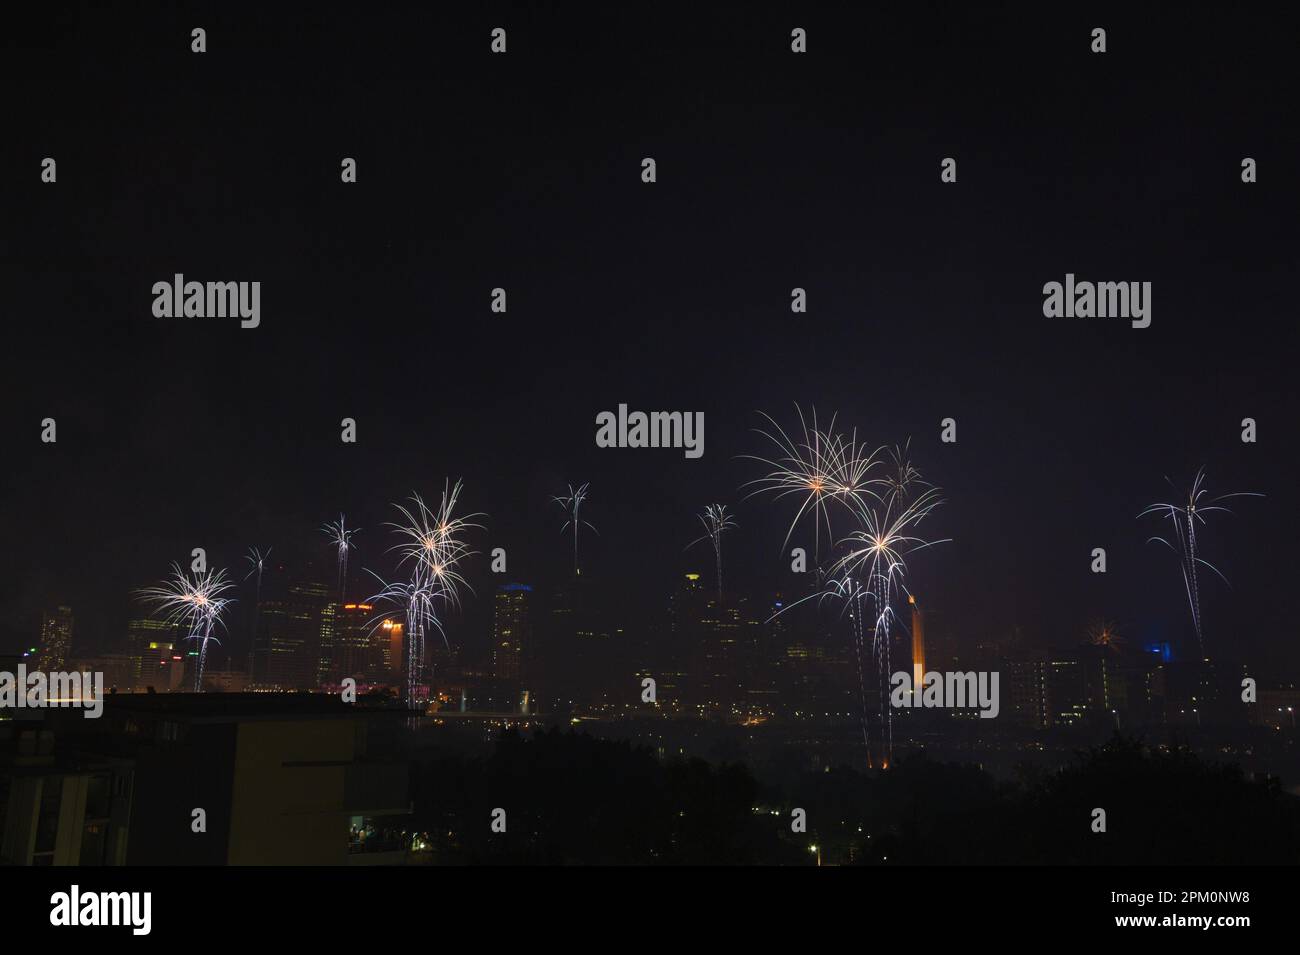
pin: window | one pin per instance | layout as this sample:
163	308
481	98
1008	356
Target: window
93	841
47	822
98	798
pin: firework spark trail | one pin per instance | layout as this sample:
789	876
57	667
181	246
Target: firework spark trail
876	558
258	560
822	467
854	595
716	521
1184	517
430	543
826	466
341	537
417	600
852	591
194	601
572	504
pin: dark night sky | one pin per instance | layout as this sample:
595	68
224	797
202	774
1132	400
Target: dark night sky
775	171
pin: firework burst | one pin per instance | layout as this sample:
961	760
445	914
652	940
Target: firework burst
432	543
431	547
876	560
257	559
820	467
870	575
1185	515
572	504
1106	635
716	522
195	602
340	536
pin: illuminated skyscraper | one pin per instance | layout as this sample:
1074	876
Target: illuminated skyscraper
287	653
345	643
511	630
327	648
388	659
143	632
56	638
150	642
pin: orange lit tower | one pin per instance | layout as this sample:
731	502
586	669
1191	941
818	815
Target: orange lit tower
918	644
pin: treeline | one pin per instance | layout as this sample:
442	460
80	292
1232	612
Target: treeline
569	798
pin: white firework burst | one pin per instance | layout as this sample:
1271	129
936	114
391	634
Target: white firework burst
195	602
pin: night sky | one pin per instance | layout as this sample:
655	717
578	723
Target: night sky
775	170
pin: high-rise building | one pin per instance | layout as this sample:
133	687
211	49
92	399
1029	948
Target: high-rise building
350	654
143	632
1065	692
760	676
577	648
387	649
715	657
56	639
721	658
154	666
673	657
149	643
511	631
1026	682
328	649
287	652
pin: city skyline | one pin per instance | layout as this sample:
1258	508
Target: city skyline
331	636
1158	623
649	437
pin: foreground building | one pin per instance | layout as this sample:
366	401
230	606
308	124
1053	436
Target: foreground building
250	779
59	806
